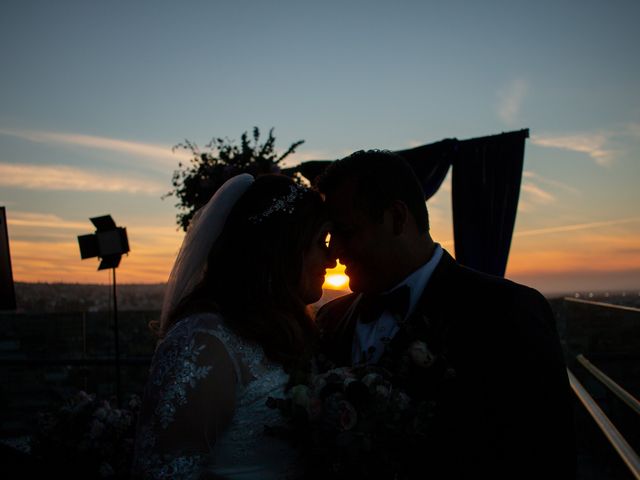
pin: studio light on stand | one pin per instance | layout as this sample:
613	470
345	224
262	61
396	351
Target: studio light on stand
108	243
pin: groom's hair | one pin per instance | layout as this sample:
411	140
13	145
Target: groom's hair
380	178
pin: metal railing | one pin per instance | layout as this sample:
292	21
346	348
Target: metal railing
628	455
602	304
616	389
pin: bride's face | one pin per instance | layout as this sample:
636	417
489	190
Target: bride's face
316	260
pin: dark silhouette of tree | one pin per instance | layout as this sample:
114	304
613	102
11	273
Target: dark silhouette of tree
194	184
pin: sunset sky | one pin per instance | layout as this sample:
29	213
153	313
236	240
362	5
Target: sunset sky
94	95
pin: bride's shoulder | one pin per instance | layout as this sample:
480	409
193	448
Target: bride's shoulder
198	338
210	324
196	322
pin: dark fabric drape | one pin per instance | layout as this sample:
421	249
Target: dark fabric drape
431	163
486	177
484	191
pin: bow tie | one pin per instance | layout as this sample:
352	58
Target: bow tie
371	306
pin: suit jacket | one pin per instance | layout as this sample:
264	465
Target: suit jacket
504	405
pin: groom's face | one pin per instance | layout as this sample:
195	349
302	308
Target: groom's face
360	242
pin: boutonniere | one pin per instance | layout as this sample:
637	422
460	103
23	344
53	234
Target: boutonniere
420	354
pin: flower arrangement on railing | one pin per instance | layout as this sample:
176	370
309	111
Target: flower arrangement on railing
88	436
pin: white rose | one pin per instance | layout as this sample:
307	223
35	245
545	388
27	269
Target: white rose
421	355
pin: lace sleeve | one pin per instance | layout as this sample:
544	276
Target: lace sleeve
189	400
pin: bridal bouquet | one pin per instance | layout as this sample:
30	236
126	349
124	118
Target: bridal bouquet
88	435
354	423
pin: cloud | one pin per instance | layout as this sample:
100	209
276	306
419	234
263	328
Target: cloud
532	176
46	225
593	144
534	191
63	177
574	227
307	155
42	220
537	194
510	101
579	248
59	261
51	252
47	220
161	154
44	248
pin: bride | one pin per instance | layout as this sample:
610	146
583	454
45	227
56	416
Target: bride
234	323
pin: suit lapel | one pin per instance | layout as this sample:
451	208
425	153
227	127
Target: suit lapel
418	354
427	323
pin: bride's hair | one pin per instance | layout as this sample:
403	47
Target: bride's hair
254	268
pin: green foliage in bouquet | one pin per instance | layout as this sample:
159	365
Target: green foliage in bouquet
195	184
87	437
352	422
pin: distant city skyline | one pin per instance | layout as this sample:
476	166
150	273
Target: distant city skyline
94	95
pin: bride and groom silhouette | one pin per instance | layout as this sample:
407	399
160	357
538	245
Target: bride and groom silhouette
235	326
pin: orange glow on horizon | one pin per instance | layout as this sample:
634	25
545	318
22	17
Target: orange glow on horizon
336	278
44	248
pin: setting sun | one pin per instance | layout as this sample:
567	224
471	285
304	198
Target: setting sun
336	278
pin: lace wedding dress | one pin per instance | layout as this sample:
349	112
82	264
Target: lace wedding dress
207	380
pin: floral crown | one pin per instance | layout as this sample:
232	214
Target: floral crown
284	203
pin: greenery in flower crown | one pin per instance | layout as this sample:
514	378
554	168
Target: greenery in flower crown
88	437
352	422
195	184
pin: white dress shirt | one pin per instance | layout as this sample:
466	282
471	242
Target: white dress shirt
371	337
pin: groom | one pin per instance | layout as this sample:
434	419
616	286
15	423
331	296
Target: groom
482	348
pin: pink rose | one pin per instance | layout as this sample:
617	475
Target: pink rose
348	416
314	409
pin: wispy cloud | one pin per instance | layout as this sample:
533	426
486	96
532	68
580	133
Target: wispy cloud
63	177
579	249
536	190
510	101
415	143
307	155
162	155
59	261
537	194
575	227
44	248
42	220
536	177
23	223
593	144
